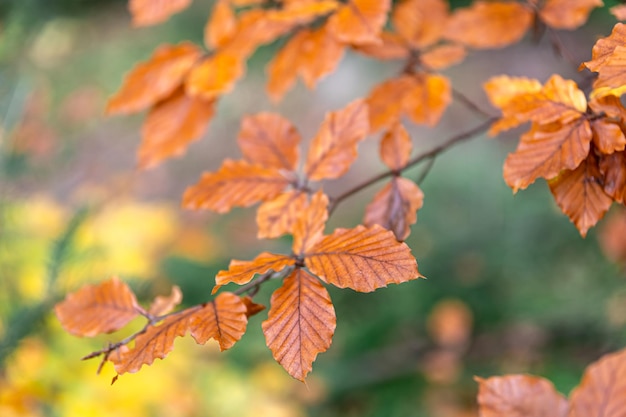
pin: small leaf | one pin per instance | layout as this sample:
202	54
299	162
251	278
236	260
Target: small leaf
601	391
155	79
519	396
151	12
396	147
283	69
567	14
607	136
96	309
235	184
241	272
359	21
503	88
420	22
223	319
386	101
164	304
277	216
309	225
320	55
428	99
334	148
300	324
215	76
171	126
613	169
443	56
362	258
221	26
252	308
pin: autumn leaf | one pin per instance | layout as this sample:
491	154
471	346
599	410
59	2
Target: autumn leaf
390	46
443	56
485	25
580	195
428	99
395	207
283	69
300	324
221	26
601	391
359	21
252	308
303	11
607	136
278	215
363	258
420	23
320	55
386	101
519	396
334	148
605	47
151	12
567	14
164	304
613	169
155	79
502	89
171	126
214	76
396	147
612	75
96	309
309	225
235	184
224	319
241	272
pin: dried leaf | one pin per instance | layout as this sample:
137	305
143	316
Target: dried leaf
300	324
607	136
420	22
519	396
580	195
151	12
612	74
171	126
362	258
396	147
601	391
485	25
252	308
215	76
309	225
285	66
604	47
359	21
611	106
567	14
154	79
428	99
224	320
545	151
164	304
221	26
269	140
241	272
334	148
395	207
96	309
277	216
235	184
385	101
613	169
443	56
320	55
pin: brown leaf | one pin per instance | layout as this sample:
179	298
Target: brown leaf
359	21
580	195
215	76
544	151
362	258
96	309
395	207
309	225
154	79
300	324
567	14
428	99
277	216
334	148
443	56
151	12
607	136
485	25
224	320
604	47
155	342
252	308
164	304
519	396
320	55
601	391
420	22
269	140
241	272
611	106
612	74
235	184
396	147
171	126
221	25
613	169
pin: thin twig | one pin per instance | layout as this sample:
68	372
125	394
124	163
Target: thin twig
470	104
426	170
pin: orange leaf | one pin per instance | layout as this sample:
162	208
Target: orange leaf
502	89
607	136
171	126
429	98
215	76
601	391
96	309
235	184
604	47
612	74
580	195
395	207
546	150
309	225
155	342
154	79
567	14
269	140
489	24
619	11
611	106
221	26
321	54
519	396
334	148
389	46
300	324
164	304
443	56
359	21
362	258
285	66
252	308
151	12
420	22
613	169
277	216
241	272
396	147
385	101
224	319
254	28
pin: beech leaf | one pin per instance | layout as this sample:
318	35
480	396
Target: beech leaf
607	136
396	147
151	12
427	99
215	76
359	21
613	169
164	304
605	47
421	23
241	272
277	216
222	25
224	319
309	225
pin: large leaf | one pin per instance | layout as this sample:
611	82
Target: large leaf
567	14
223	319
362	258
241	272
151	12
309	226
155	79
519	396
359	21
96	309
300	323
278	215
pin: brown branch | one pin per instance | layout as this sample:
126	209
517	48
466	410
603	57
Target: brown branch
470	104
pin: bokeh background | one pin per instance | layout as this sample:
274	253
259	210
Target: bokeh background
511	286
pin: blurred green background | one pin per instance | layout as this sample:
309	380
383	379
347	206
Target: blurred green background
511	286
